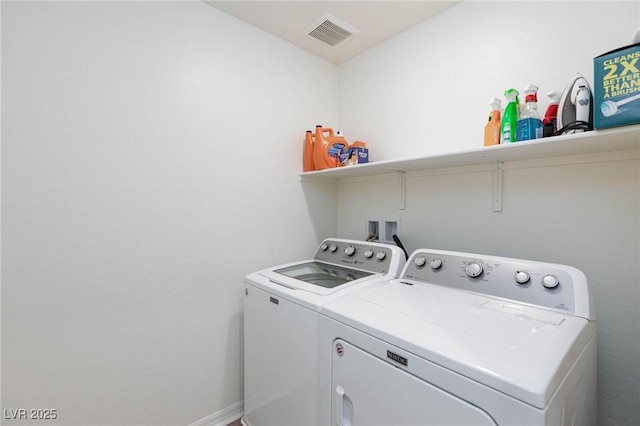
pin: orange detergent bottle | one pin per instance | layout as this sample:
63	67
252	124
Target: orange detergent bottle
326	148
492	128
307	154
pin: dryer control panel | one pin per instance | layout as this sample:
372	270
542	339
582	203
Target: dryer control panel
374	257
549	285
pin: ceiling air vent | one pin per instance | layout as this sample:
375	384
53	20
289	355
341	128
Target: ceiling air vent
331	30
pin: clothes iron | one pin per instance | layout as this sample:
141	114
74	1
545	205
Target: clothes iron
575	110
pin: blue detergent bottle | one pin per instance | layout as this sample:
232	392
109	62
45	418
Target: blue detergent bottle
529	123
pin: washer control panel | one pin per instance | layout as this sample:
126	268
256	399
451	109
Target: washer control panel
544	284
374	257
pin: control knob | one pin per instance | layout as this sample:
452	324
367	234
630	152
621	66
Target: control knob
550	281
324	247
333	248
522	277
436	264
381	255
350	250
420	261
473	269
368	254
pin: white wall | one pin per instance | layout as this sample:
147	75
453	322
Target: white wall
150	153
149	150
426	92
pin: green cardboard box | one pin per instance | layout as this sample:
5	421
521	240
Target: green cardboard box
616	88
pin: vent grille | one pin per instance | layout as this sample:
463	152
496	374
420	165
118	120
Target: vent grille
330	30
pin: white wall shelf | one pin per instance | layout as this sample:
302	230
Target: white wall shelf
617	139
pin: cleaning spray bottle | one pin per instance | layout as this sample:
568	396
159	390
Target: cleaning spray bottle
509	117
492	128
550	120
529	124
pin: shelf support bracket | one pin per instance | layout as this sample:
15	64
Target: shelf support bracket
403	190
497	186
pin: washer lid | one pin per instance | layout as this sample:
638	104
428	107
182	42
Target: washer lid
322	274
517	349
316	277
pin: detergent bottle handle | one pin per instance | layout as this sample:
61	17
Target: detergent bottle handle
329	131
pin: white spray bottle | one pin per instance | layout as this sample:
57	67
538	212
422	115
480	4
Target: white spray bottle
550	120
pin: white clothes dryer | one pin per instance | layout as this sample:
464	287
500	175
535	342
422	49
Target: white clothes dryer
463	339
282	304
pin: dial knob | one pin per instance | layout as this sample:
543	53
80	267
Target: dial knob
333	248
350	250
381	255
368	254
420	261
436	264
324	247
473	269
550	281
522	277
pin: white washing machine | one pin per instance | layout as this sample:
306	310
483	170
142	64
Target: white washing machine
282	381
463	339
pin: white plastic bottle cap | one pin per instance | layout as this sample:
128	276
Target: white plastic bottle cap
531	88
554	96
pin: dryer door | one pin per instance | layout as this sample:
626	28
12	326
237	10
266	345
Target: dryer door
370	391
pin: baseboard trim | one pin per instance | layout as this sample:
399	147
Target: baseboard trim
223	417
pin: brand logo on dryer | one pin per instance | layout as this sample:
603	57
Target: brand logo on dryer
397	358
